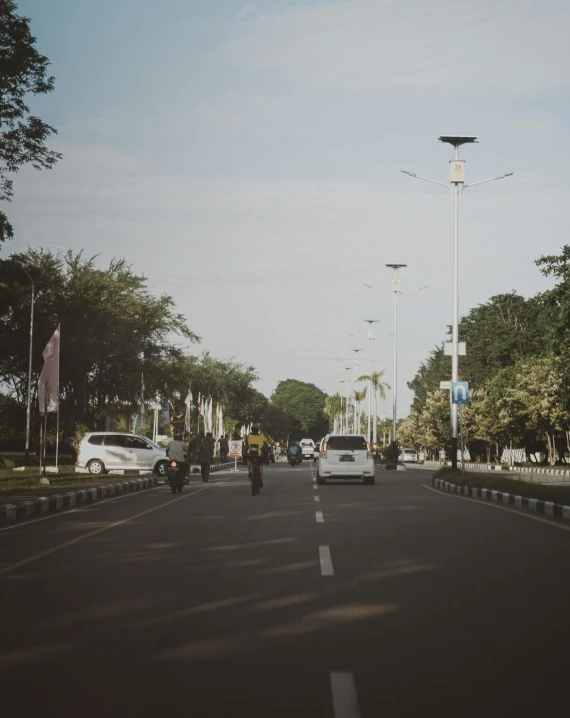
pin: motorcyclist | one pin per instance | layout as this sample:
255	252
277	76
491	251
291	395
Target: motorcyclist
178	451
256	438
294	450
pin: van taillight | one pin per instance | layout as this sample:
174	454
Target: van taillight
325	449
368	452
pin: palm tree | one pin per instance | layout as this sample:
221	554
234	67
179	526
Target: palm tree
378	386
359	396
333	409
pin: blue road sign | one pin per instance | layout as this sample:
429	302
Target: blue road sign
460	392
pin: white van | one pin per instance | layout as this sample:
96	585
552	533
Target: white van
102	451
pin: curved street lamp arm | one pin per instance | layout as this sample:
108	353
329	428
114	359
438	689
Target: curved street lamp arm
491	179
427	179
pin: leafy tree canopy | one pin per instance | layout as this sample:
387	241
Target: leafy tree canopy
23	72
304	405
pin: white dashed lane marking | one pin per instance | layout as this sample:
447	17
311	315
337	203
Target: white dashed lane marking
316	498
345	700
326	561
319	516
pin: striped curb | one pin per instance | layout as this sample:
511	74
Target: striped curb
520	469
547	508
12	513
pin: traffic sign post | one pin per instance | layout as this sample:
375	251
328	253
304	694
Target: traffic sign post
235	450
460	395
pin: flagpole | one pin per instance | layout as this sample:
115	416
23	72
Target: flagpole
45	428
58	397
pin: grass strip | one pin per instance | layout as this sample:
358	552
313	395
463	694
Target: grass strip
477	480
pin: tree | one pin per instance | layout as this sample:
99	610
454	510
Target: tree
22	135
333	408
378	387
498	333
541	388
359	397
113	330
304	404
435	368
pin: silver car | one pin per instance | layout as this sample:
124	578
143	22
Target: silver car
345	456
408	456
103	451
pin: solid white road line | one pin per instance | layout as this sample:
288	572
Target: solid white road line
316	498
326	561
320	517
345	701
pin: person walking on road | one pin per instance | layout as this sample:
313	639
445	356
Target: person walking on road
224	448
206	456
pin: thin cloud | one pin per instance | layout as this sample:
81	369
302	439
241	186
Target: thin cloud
425	47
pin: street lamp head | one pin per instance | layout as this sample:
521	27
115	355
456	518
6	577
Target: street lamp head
396	266
457	140
372	321
509	174
406	172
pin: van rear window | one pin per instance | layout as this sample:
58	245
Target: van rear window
347	443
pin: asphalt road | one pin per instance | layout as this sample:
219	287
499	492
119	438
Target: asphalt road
386	600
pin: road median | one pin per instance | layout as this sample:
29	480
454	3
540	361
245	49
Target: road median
551	501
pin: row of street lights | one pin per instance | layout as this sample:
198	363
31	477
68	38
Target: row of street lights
457	180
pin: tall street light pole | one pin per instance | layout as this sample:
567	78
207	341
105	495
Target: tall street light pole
370	340
457	179
29	399
354	388
396	291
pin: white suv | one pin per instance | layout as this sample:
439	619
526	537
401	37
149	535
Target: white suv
345	456
102	451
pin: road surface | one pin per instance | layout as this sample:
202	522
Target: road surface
340	601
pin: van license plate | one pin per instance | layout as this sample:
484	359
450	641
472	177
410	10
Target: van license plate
346	458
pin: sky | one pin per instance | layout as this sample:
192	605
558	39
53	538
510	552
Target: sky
246	157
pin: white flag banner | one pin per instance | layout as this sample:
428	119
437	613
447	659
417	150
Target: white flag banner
210	425
188	403
221	423
48	384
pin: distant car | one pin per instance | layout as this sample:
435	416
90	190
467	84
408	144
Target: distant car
307	448
103	451
345	456
408	456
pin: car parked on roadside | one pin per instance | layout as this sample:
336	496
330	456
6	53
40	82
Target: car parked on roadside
408	456
345	456
103	451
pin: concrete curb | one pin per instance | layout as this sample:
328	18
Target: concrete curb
546	508
12	513
521	469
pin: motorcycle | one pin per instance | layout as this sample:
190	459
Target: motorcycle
175	477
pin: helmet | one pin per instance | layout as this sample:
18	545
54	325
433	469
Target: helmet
255	429
178	436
